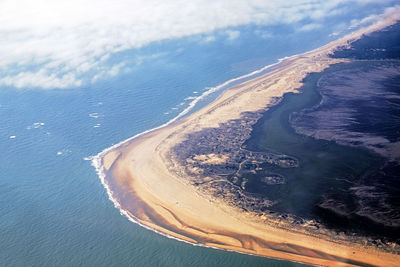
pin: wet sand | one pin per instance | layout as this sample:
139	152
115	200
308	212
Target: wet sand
150	185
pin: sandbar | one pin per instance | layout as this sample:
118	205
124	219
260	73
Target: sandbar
150	186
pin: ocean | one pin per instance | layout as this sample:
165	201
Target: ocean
54	209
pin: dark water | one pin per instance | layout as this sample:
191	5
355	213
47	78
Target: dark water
377	45
360	108
322	164
342	128
55	211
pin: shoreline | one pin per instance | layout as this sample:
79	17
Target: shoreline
135	169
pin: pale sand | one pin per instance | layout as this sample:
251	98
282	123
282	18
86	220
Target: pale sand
151	187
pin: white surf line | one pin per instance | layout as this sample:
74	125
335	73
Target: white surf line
96	160
192	104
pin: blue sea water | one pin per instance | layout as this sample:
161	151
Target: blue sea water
55	211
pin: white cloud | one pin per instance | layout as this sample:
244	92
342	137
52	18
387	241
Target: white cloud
310	27
355	23
209	39
40	79
65	43
341	28
115	69
264	34
232	35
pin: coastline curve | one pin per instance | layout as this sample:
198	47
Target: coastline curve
119	169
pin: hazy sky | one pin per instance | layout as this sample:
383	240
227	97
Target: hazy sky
66	43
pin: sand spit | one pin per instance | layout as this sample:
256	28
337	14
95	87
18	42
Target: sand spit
149	186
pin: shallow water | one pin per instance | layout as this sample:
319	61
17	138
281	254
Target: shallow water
54	210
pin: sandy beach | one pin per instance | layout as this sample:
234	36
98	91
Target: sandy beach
150	185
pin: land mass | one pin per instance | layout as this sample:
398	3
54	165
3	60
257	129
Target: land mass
185	180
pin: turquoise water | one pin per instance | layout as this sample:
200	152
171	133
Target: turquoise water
54	210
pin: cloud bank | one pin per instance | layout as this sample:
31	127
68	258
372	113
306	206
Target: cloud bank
66	43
